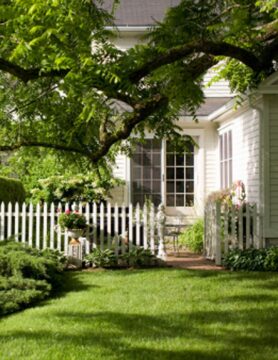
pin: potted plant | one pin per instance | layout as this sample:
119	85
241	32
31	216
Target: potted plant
73	222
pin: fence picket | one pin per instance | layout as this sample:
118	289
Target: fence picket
116	219
30	234
16	221
23	224
87	215
102	226
226	233
255	236
58	229
145	226
130	230
66	236
38	225
45	215
152	228
240	228
52	224
94	225
247	222
109	225
2	236
137	220
218	235
10	219
123	235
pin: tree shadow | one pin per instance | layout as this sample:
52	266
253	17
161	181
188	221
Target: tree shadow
128	336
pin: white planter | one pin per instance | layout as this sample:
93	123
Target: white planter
75	233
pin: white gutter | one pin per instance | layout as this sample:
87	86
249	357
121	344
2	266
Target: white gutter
228	106
128	28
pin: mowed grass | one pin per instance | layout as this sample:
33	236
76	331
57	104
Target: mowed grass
150	314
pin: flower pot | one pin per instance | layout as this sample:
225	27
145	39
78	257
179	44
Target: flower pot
75	233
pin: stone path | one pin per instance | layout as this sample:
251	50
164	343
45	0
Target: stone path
185	260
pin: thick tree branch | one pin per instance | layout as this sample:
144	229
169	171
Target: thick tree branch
29	74
209	48
60	147
140	114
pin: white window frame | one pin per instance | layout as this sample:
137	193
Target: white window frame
226	161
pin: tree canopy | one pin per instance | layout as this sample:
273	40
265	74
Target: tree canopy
65	86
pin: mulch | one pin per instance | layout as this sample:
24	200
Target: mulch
186	260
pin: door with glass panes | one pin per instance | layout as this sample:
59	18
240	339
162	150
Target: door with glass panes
148	175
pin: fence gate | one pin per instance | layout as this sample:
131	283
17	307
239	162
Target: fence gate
228	227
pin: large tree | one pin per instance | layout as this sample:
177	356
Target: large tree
64	85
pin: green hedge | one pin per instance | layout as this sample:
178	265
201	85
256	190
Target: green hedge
11	190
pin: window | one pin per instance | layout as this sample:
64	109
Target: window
146	172
179	177
226	161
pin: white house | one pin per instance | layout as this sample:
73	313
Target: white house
233	143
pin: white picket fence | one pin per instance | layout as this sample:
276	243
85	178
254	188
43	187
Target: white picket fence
231	227
115	227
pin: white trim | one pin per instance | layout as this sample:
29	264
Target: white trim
127	28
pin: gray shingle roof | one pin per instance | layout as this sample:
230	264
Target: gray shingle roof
140	12
210	105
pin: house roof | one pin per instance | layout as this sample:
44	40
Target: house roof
140	12
210	105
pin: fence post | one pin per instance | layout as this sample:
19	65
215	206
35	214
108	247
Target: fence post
2	235
161	219
218	234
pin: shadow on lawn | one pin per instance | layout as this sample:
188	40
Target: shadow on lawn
200	335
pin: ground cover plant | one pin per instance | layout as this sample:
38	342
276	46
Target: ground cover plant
27	275
252	259
150	314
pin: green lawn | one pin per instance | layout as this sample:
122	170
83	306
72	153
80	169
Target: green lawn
150	314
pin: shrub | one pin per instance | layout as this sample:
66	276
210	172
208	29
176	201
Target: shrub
11	190
27	275
192	237
102	258
139	256
252	259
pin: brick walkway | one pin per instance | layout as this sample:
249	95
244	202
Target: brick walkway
185	260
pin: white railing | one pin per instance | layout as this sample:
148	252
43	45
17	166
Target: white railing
109	226
230	227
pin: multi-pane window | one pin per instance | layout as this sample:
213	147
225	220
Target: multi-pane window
226	159
146	172
179	177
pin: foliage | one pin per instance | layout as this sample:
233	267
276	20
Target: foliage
193	237
235	194
48	176
73	91
79	187
140	257
72	220
18	292
27	275
252	259
102	258
137	257
11	190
